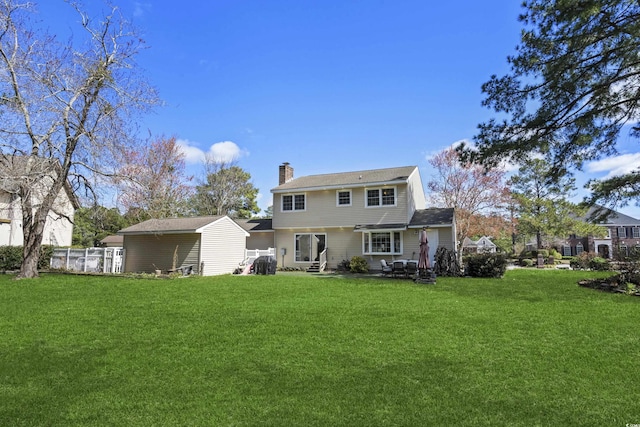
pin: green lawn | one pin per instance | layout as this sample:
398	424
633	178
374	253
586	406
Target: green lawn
530	349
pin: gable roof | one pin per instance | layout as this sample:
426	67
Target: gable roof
482	241
112	240
614	218
348	179
174	225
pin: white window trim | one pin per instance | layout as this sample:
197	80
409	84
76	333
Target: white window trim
293	202
295	238
338	198
367	235
379	189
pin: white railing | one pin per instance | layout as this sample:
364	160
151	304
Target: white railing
250	255
98	260
323	260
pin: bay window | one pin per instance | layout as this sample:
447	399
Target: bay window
382	242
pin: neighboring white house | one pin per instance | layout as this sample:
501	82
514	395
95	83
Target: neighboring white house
482	245
321	220
58	230
210	245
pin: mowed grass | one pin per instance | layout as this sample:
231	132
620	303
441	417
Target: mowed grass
530	349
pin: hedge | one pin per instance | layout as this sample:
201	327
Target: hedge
11	257
486	265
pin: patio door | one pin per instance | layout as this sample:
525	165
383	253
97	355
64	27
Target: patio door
309	246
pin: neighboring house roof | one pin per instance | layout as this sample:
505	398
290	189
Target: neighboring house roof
614	218
348	179
484	241
260	224
175	225
112	240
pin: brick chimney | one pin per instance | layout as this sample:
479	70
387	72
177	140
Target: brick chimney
286	173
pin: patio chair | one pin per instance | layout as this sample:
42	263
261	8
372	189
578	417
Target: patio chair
412	268
398	269
386	268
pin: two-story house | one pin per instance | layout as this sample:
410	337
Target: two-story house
324	219
58	229
622	235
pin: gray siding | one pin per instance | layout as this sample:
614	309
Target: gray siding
445	236
148	252
343	244
260	240
223	245
322	210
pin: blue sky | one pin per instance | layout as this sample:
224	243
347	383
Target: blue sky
328	86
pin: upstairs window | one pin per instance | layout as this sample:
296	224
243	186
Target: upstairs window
293	202
377	197
636	232
343	198
622	232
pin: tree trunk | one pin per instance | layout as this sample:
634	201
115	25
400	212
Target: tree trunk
33	233
539	239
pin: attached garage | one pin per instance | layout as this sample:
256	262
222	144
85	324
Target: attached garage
212	245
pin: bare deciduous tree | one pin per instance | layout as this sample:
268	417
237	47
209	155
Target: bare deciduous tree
467	188
153	180
67	107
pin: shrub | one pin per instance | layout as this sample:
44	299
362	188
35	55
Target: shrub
587	260
528	254
11	257
344	265
544	253
526	262
486	265
599	264
357	264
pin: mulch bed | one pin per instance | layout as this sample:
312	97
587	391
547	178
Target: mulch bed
620	283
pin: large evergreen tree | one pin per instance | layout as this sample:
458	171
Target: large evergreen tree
541	204
574	86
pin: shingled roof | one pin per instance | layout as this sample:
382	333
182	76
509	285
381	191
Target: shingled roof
260	224
348	179
432	217
171	225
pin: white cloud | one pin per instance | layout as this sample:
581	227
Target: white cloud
225	151
192	154
615	166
